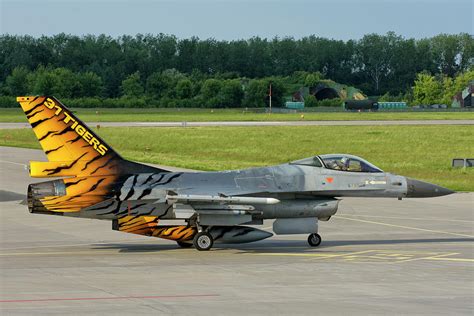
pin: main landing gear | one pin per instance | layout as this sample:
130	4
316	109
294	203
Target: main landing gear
314	240
203	241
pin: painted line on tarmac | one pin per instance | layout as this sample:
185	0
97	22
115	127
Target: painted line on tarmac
378	256
110	298
401	226
411	218
440	257
14	163
451	259
317	255
429	257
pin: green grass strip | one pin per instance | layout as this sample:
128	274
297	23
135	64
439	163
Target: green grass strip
421	152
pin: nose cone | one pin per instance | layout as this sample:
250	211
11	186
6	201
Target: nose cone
420	189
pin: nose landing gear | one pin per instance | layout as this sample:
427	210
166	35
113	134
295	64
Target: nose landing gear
314	240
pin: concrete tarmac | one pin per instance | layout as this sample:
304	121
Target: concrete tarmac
378	256
260	123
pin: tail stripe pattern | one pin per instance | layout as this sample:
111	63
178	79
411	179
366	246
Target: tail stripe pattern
72	149
148	226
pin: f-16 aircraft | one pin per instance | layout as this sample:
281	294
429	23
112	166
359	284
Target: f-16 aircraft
207	207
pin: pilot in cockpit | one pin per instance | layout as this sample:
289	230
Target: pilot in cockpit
343	164
338	164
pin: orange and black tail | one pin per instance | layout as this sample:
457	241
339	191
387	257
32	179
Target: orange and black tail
71	147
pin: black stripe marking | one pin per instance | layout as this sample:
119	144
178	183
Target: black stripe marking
125	211
51	150
68	184
132	189
180	229
149	178
34	99
131	222
95	185
75	139
33	114
64	131
114	211
169	180
136	226
159	179
55	133
35	124
59	203
57	169
119	204
46	135
103	207
243	232
222	232
166	212
50	199
102	166
91	161
170	230
149	213
32	109
145	192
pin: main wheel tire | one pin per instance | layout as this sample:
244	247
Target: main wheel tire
314	240
183	244
203	241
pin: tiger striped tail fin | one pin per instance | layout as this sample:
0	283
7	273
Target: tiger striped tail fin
71	147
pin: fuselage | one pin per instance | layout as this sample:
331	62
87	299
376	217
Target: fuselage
303	190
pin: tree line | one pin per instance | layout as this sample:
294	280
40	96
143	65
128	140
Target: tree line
169	88
429	89
194	72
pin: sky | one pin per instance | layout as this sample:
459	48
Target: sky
237	19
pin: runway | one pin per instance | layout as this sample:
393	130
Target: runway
378	256
260	123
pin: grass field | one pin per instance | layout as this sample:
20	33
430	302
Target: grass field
422	152
204	115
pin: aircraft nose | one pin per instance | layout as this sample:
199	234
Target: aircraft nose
417	188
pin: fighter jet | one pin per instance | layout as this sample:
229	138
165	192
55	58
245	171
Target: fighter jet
94	181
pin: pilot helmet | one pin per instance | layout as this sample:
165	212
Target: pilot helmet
332	164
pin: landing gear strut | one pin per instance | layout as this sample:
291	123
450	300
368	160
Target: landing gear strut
203	241
314	240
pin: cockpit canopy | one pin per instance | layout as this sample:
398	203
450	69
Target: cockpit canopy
341	162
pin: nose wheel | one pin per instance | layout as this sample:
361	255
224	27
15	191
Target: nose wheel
314	240
203	241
